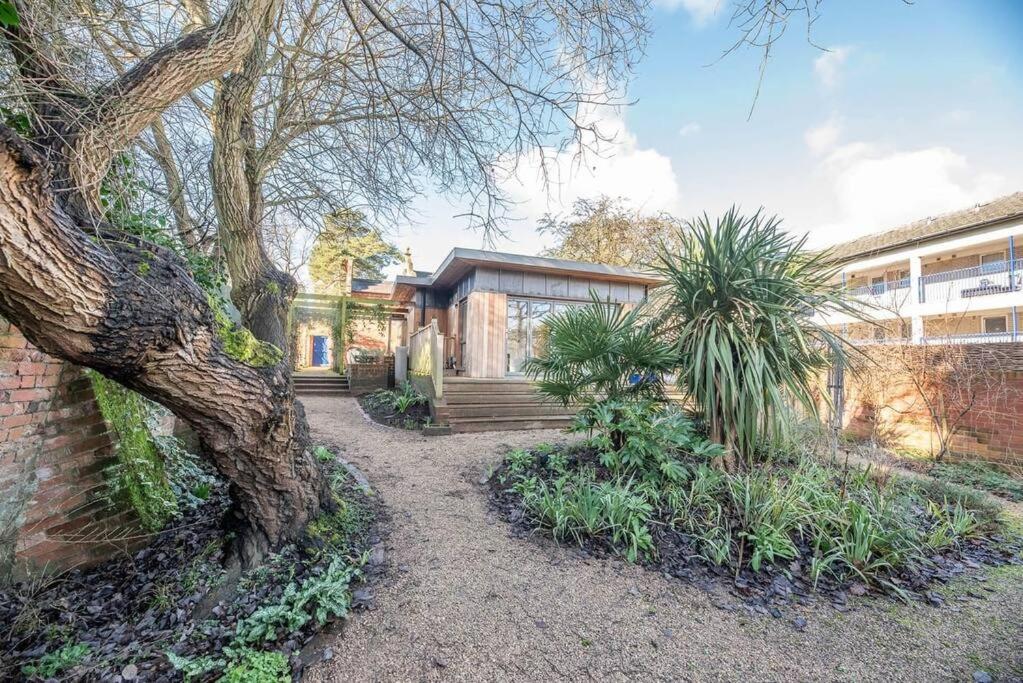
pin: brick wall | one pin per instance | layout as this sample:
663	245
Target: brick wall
366	377
54	448
884	402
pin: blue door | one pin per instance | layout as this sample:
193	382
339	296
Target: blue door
320	350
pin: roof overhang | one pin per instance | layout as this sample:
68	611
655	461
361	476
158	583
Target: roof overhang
460	262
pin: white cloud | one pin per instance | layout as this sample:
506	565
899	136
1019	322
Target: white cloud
828	67
875	190
621	167
691	128
701	11
823	138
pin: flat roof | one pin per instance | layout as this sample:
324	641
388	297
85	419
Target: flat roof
460	261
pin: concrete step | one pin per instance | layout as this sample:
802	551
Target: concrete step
489	424
501	410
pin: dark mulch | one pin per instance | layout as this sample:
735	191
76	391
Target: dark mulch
775	587
413	418
173	595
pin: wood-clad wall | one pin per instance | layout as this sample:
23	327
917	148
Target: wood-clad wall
487	327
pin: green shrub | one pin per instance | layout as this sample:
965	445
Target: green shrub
53	663
640	437
316	599
253	666
656	471
577	507
139	476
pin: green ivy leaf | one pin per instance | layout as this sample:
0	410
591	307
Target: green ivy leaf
8	14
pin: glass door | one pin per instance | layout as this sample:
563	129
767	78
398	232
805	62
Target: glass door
517	336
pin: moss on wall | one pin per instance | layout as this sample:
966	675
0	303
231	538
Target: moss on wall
139	477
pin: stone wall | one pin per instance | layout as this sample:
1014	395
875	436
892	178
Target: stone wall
54	448
985	381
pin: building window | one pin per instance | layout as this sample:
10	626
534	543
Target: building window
995	325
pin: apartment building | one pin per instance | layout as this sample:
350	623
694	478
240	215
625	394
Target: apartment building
955	278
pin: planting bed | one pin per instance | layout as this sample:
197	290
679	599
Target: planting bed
730	537
171	611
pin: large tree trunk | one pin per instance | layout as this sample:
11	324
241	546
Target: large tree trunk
262	292
82	292
131	311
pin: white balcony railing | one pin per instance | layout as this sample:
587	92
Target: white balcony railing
978	338
968	284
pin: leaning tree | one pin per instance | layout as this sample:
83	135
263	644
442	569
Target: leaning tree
450	90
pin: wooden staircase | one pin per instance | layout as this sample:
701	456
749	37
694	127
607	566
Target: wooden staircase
320	384
485	405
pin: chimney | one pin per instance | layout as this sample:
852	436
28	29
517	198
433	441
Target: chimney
349	267
409	268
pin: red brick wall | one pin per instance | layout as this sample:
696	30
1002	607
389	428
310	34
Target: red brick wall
886	403
54	448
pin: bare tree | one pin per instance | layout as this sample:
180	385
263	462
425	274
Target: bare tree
355	104
80	290
392	93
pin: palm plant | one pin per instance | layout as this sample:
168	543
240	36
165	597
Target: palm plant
739	303
600	350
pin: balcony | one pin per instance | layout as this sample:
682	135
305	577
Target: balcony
977	338
888	295
968	284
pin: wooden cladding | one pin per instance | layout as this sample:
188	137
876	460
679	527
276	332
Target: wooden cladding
548	285
486	327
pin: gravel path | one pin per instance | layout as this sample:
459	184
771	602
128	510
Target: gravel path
465	600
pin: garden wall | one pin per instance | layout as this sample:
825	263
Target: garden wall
980	386
366	377
54	448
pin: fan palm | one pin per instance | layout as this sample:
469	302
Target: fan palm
600	350
739	303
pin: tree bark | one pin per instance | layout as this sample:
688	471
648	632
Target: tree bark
83	292
262	292
131	311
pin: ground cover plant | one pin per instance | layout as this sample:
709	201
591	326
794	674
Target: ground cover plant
404	407
176	610
981	476
643	486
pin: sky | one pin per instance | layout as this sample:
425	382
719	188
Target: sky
910	110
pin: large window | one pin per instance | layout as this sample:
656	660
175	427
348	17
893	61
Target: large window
527	331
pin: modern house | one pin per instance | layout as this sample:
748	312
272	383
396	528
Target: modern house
469	327
955	278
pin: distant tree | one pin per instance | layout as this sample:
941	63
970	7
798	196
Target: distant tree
346	235
605	230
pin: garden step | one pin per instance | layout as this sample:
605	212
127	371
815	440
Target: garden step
500	410
323	392
489	424
476	398
331	383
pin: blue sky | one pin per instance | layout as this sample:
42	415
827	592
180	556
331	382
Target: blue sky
913	111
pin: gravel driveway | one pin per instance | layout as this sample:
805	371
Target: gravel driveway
466	600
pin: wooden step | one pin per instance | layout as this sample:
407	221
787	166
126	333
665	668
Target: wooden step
501	410
490	424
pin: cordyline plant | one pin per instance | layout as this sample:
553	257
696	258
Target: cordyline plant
743	303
